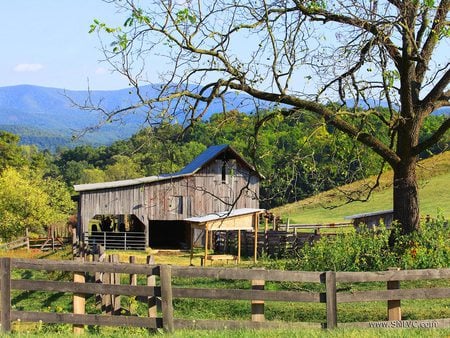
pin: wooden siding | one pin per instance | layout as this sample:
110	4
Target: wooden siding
202	193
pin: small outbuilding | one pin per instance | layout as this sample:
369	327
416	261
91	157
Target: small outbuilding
165	210
371	219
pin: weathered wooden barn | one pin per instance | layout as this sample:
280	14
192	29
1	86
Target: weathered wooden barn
217	181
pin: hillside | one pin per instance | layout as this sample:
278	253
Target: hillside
48	118
329	206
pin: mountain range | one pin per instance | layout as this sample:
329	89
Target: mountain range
48	118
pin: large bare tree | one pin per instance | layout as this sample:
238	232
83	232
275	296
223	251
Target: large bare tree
331	58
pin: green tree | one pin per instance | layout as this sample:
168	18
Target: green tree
11	154
29	201
92	175
122	168
347	51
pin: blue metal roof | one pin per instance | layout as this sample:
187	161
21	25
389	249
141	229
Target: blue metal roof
202	159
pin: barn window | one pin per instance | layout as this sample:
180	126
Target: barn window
176	204
224	172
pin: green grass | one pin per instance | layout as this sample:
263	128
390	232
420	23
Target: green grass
328	207
312	333
235	310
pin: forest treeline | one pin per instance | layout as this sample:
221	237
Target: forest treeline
298	155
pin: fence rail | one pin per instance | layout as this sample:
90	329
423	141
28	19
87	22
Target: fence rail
15	244
116	240
164	292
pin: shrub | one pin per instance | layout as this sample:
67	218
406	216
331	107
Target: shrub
368	250
429	247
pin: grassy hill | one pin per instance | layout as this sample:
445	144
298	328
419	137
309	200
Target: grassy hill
329	206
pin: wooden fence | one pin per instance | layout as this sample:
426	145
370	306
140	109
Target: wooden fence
53	241
162	288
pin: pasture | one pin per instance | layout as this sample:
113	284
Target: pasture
329	206
233	310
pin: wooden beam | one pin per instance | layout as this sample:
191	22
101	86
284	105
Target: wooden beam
394	309
239	246
79	301
192	245
166	296
205	257
331	299
255	250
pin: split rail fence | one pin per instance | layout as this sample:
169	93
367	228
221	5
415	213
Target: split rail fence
159	287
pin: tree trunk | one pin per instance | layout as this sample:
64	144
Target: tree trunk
406	203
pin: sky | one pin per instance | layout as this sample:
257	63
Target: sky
46	43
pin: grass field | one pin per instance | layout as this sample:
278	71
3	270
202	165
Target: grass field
237	310
329	207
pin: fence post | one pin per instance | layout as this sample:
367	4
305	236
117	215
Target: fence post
151	300
330	284
27	238
165	276
106	299
115	279
258	305
133	276
79	301
5	295
394	309
99	257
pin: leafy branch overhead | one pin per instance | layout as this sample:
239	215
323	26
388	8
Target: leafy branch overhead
333	59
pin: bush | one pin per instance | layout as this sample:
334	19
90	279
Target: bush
429	247
368	250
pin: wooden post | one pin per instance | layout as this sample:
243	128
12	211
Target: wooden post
258	305
75	245
115	279
79	301
165	276
151	300
394	309
133	276
99	257
5	295
27	238
106	299
255	248
211	236
330	284
206	246
192	246
239	246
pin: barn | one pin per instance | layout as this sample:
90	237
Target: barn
164	211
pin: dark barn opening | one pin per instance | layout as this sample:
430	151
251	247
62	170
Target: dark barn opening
169	234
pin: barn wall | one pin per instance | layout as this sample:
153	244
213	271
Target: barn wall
124	200
202	193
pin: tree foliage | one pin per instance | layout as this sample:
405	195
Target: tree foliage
30	201
29	196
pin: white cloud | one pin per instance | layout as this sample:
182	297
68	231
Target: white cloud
101	71
28	67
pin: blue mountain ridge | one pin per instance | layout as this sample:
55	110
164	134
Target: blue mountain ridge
47	118
41	113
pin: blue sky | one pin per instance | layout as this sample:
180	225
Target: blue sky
46	43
